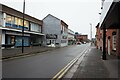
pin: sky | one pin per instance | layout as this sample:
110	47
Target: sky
78	14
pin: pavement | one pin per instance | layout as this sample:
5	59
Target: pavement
16	52
93	67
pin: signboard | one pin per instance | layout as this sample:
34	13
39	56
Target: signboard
51	36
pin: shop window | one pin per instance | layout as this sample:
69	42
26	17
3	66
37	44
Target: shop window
18	41
10	39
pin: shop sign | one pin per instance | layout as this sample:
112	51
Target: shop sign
51	36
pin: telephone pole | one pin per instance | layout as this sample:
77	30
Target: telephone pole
91	32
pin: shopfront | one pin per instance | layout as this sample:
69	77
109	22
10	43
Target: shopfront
51	39
36	40
15	38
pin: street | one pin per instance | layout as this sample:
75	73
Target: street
45	65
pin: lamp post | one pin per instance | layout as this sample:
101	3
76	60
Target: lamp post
91	32
23	27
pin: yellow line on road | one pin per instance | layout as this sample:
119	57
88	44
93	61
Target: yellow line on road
62	72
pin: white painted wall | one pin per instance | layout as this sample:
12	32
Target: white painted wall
1	17
3	38
64	44
70	36
51	25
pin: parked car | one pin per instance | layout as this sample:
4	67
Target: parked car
78	43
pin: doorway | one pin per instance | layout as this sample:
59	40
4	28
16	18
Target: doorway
109	45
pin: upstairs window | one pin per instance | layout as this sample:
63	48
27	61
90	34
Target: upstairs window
8	19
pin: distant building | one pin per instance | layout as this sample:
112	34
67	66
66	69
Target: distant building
71	38
56	31
11	24
81	38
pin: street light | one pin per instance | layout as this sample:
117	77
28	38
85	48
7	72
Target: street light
91	32
23	27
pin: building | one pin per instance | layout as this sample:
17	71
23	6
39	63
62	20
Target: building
56	31
111	41
71	37
110	24
98	37
11	22
0	37
81	38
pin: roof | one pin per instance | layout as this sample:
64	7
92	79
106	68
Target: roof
50	15
17	13
56	18
97	25
64	23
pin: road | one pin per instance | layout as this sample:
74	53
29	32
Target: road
45	65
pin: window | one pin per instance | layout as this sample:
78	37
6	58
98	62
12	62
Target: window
13	20
26	23
20	22
8	19
114	42
35	27
16	20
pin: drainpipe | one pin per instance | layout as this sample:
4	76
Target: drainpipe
104	43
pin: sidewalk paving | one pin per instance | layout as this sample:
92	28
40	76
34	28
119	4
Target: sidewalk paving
93	67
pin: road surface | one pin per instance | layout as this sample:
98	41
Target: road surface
45	65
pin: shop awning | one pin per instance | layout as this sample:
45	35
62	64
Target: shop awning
30	32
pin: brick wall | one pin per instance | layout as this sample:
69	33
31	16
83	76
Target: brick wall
109	36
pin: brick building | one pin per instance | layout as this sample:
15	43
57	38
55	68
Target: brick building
110	25
81	38
110	40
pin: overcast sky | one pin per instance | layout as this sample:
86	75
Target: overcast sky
78	14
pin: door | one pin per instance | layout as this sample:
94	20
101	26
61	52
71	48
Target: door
109	46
